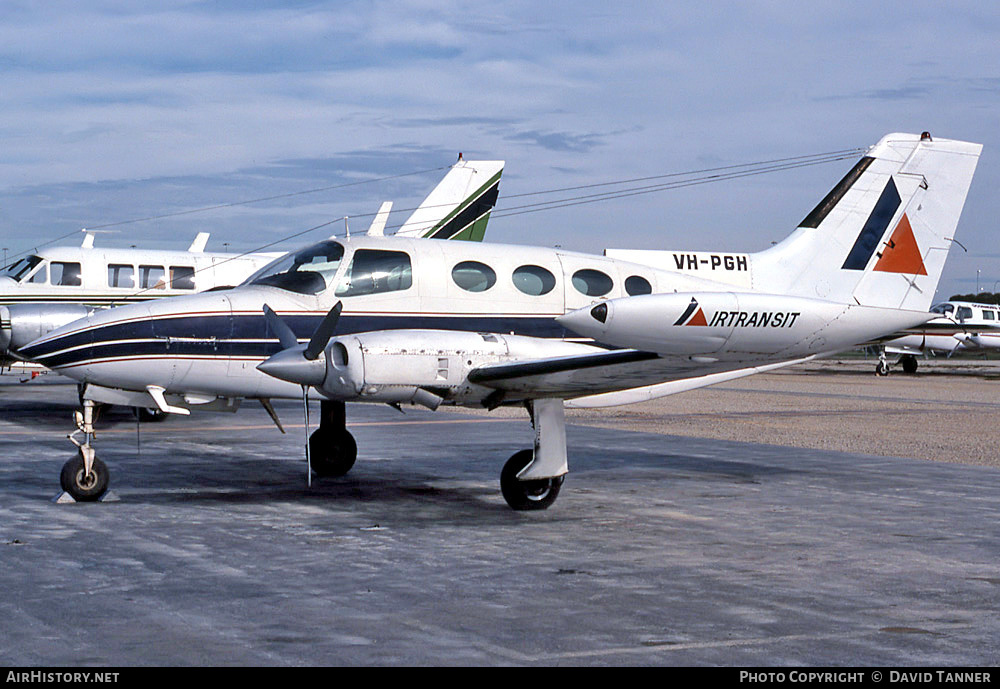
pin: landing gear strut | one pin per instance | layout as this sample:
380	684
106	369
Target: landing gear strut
332	448
84	477
531	479
882	367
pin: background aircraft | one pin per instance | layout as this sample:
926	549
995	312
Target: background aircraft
486	325
58	285
962	327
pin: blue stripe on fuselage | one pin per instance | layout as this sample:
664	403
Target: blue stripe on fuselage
241	336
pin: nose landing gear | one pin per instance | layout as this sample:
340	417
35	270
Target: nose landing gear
84	477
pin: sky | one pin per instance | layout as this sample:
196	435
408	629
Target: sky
112	113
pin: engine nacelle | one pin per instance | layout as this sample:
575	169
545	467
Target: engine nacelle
22	323
426	367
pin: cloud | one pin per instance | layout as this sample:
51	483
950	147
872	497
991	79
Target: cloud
115	110
559	141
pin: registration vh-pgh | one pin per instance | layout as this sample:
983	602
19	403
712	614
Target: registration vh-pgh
397	320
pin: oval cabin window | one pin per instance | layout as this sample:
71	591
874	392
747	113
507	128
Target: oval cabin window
593	283
636	285
534	280
473	276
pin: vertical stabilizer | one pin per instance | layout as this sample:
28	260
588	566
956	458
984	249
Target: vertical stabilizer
881	236
459	206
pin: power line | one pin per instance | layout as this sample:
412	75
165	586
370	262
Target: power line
690	178
263	198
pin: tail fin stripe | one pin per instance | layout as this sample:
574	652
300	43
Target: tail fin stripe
830	200
480	203
874	229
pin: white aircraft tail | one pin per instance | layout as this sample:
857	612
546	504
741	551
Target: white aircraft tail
881	236
459	206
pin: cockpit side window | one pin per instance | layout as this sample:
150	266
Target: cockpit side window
374	270
308	271
22	267
963	313
41	274
66	274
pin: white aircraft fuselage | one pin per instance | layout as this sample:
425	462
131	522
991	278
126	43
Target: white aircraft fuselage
210	345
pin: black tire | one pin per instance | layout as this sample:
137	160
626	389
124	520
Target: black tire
882	369
536	494
84	488
909	363
332	453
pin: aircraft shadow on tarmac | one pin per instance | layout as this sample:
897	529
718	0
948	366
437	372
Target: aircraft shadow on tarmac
432	486
434	466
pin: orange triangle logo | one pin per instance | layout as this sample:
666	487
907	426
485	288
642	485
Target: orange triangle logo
698	318
901	254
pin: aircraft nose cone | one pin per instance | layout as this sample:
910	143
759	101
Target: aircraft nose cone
290	365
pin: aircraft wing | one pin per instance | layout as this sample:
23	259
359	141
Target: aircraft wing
500	375
943	327
615	377
939	327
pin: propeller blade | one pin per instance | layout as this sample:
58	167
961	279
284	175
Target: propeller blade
285	335
317	343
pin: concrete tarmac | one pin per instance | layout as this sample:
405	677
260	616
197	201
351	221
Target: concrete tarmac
661	549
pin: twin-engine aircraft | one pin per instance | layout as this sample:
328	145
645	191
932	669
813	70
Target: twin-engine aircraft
961	326
401	320
59	285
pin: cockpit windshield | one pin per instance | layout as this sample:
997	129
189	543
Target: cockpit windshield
309	271
944	309
21	268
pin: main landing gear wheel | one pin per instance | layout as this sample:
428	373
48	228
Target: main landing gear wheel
84	487
333	452
909	363
534	494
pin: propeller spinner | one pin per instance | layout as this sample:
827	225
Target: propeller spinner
297	363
